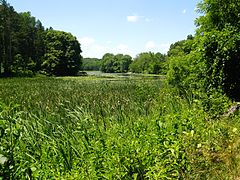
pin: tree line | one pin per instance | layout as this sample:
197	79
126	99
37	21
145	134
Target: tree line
27	48
208	63
147	62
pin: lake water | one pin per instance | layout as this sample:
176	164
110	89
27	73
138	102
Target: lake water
123	75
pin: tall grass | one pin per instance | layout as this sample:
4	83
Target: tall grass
96	128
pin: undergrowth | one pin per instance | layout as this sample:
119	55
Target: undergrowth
94	128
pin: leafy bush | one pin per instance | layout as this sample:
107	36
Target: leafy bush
221	54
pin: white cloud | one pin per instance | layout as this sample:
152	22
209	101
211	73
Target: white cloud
136	18
96	50
164	47
92	48
123	49
133	18
150	45
86	41
184	11
100	49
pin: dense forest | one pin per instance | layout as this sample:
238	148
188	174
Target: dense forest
28	48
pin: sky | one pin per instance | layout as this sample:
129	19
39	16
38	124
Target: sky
116	26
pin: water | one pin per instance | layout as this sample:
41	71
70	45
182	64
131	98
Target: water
124	75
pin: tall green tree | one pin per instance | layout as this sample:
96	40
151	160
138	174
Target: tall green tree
25	55
208	65
8	17
17	37
183	65
1	37
39	44
115	63
218	31
26	47
218	14
107	63
91	64
62	55
148	62
122	63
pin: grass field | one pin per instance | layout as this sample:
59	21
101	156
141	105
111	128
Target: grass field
110	128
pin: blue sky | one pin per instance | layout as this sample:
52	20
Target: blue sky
117	26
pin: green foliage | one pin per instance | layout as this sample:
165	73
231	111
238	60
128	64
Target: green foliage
8	27
210	65
115	63
62	57
91	64
221	55
10	129
219	36
21	39
25	46
23	67
217	14
150	63
90	128
183	62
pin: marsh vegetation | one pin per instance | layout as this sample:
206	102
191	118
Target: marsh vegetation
94	127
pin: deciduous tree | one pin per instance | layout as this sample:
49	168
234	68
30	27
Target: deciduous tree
62	56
